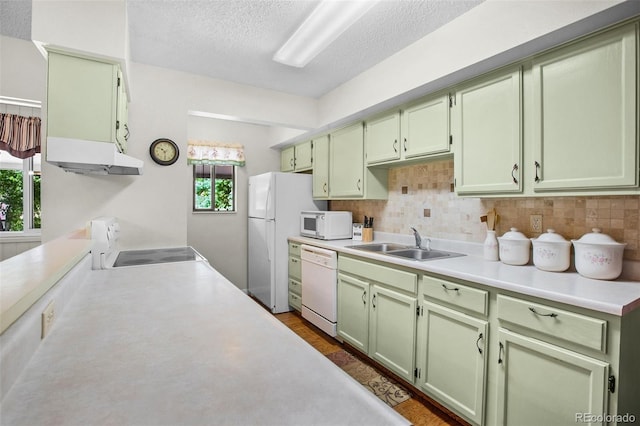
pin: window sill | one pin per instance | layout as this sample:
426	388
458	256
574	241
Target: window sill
20	236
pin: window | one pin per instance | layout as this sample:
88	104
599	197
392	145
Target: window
214	188
19	193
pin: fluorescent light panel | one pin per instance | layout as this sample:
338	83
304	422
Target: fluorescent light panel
325	24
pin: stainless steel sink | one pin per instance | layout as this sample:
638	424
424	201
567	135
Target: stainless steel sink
421	254
378	247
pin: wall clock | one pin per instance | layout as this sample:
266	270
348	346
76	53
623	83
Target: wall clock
164	151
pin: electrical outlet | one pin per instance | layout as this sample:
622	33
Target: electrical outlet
535	223
48	315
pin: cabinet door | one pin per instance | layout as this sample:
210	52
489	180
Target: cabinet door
425	128
585	114
122	115
452	359
81	98
353	311
392	340
321	167
487	137
543	384
303	156
287	159
382	138
346	165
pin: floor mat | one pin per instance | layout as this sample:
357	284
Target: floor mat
383	388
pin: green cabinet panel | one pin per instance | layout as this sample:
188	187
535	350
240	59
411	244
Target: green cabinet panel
452	360
425	128
543	384
487	136
122	114
321	167
85	99
382	138
353	311
392	331
287	159
346	164
303	156
585	114
295	276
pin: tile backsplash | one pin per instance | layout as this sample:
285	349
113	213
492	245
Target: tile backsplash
422	196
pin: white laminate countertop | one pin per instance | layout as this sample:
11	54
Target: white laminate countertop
616	297
177	343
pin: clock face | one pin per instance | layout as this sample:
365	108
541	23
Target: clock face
164	151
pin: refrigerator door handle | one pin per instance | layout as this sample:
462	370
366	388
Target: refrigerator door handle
268	238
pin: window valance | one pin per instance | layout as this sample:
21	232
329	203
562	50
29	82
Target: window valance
205	152
20	135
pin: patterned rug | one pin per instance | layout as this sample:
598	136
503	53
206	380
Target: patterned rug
382	387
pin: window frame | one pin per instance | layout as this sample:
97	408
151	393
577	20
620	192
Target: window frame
28	171
234	192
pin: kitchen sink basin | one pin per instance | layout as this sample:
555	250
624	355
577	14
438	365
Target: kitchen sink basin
421	254
378	247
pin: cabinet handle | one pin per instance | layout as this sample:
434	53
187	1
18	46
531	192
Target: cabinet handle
513	170
395	145
477	343
537	179
324	187
551	315
126	135
405	144
294	260
373	301
291	162
358	185
456	289
500	360
364	297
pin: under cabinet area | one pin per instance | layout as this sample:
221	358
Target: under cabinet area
86	99
377	312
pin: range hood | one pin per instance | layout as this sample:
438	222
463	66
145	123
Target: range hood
90	157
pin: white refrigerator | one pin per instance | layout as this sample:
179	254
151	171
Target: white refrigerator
275	202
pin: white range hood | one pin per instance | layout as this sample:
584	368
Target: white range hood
90	157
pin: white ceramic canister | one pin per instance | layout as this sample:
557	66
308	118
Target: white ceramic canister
491	246
598	256
514	248
551	252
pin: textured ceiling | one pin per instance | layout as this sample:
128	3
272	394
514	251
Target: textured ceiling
235	40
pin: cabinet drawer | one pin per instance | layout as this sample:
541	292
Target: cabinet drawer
558	323
390	277
455	294
295	286
295	267
294	249
295	301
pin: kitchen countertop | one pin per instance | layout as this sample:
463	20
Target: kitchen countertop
179	344
616	297
28	275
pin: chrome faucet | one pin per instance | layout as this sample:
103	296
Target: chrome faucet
418	238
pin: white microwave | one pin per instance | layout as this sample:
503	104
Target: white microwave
329	225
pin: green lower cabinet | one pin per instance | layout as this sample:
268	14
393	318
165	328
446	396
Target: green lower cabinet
544	384
353	311
392	331
452	359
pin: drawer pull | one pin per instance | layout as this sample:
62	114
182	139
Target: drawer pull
551	315
500	353
450	289
477	345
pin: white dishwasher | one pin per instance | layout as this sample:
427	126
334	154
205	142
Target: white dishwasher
320	287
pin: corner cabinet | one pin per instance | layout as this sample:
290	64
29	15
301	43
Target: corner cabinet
585	114
487	135
86	99
377	312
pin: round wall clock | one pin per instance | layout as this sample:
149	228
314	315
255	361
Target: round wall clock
164	151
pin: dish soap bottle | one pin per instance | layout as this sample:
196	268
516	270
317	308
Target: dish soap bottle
491	246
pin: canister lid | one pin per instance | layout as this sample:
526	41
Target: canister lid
597	237
514	234
552	237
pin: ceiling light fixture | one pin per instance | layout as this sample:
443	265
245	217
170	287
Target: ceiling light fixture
325	24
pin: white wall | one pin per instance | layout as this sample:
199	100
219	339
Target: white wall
222	237
23	71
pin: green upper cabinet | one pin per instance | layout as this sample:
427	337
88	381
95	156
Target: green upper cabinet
487	135
585	114
346	164
425	128
321	167
297	158
382	138
86	99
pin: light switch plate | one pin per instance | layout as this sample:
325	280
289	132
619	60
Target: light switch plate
535	223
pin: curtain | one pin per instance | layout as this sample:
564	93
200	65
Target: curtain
205	152
19	135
